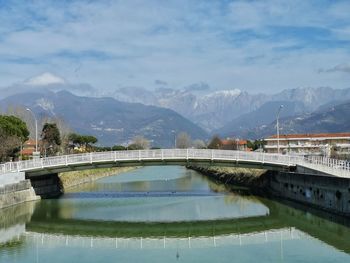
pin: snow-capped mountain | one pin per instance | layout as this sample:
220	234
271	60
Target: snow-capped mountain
207	109
213	110
44	79
210	109
47	82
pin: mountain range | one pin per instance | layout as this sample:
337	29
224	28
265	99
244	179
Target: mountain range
326	119
111	121
199	110
233	110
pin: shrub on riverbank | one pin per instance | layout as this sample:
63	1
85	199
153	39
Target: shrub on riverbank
74	178
246	177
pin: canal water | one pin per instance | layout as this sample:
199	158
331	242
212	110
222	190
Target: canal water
166	214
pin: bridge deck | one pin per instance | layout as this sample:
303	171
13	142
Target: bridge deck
176	156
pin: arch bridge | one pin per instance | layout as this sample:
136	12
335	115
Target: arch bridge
259	160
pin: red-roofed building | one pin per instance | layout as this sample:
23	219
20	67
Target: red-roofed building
234	144
311	143
28	147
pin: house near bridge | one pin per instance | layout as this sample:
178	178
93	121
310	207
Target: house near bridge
326	144
235	144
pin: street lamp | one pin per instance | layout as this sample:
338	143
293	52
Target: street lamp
36	129
278	127
173	131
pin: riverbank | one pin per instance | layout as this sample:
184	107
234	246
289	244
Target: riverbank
327	193
254	179
74	178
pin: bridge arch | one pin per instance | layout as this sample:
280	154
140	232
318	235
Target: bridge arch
260	160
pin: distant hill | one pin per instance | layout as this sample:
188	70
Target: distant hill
334	118
231	112
215	110
112	121
241	126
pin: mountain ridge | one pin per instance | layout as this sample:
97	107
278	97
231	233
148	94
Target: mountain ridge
112	121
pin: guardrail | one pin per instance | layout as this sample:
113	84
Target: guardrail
283	234
327	165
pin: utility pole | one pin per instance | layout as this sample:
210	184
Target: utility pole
278	128
173	131
36	131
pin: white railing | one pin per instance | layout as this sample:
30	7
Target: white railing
273	235
327	165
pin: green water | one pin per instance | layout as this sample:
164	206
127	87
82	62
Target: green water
166	214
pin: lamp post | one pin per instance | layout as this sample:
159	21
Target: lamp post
278	128
173	131
36	130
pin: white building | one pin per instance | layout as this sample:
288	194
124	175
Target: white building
315	144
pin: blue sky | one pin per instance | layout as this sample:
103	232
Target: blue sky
257	46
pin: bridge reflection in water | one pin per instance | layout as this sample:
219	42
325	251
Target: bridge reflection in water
54	240
20	225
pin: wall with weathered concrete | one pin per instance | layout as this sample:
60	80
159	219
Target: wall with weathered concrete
325	192
329	193
11	178
12	194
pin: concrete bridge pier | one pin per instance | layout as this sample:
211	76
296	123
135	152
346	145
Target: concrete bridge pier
15	189
47	186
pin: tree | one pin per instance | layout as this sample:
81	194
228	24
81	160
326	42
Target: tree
118	148
12	125
183	140
199	144
88	141
139	142
51	138
215	143
22	113
64	130
13	132
82	141
257	144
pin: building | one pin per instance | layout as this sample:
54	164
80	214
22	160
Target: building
28	148
310	144
234	144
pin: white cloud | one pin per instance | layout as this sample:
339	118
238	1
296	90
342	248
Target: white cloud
44	79
180	42
345	68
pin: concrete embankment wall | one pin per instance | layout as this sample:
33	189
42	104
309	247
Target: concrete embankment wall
14	189
54	185
327	193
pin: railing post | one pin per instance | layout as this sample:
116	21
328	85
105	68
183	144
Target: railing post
90	157
186	154
115	156
212	154
139	155
162	153
66	160
263	157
